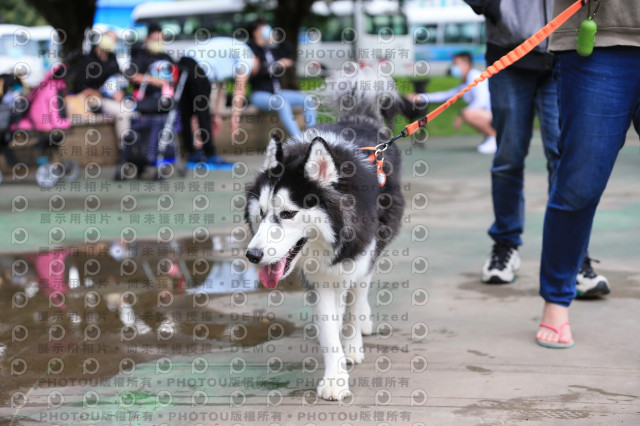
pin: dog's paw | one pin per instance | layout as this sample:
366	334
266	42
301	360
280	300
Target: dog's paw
355	358
334	388
366	328
354	352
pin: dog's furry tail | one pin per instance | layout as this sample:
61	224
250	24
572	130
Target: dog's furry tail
356	93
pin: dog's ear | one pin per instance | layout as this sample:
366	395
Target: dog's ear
319	166
274	154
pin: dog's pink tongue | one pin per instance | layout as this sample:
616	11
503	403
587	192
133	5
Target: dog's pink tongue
271	274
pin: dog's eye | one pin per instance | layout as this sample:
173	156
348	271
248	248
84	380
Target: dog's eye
287	214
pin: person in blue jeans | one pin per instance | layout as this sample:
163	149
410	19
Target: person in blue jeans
599	97
267	93
518	93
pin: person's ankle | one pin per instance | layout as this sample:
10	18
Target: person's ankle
554	312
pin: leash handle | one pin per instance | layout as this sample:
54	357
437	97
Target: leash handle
518	53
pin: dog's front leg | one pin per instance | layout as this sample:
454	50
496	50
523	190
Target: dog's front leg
357	321
335	382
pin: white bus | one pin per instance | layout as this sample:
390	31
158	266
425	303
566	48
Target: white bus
440	33
370	32
191	20
26	51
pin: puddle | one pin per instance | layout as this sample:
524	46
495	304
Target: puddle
215	265
83	313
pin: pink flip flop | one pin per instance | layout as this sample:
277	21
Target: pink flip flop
558	331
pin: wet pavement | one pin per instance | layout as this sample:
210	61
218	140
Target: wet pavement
150	314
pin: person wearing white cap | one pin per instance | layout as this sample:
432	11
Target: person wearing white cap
91	72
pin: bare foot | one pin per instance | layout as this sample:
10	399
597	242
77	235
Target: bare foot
555	315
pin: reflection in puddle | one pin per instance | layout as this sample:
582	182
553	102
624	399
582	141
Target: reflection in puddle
227	277
180	265
129	319
76	313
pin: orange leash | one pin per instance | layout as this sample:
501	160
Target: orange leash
518	53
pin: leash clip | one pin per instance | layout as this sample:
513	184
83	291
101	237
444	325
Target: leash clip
378	158
380	174
378	155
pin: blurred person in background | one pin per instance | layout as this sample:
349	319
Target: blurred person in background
477	113
150	67
212	62
266	90
93	83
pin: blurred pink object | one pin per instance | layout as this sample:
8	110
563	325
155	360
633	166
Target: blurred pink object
46	102
167	91
51	270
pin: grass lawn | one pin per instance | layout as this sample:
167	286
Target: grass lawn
441	126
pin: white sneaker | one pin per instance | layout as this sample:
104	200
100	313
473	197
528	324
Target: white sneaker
590	284
502	264
489	146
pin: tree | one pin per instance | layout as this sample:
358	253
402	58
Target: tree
18	12
71	18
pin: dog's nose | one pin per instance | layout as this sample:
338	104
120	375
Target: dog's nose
254	255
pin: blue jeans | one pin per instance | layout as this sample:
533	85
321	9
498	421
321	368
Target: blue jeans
516	96
282	103
598	97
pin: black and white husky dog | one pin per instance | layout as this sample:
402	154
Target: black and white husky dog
316	206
